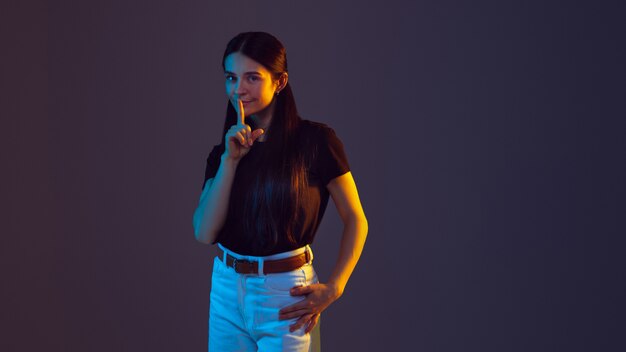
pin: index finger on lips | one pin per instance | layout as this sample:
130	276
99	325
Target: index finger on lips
240	112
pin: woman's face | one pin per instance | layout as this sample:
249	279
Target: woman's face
249	81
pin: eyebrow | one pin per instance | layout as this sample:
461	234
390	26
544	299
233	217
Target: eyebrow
246	73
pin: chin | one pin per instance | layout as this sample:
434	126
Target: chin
251	112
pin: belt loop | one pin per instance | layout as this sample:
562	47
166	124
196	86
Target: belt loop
224	253
260	266
307	254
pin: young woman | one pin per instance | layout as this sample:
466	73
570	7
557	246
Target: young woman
265	190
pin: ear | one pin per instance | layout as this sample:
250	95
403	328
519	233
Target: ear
282	81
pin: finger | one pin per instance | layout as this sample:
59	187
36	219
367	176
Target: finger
300	322
304	319
257	133
238	136
240	113
293	308
245	132
301	290
304	304
248	134
312	323
243	137
294	314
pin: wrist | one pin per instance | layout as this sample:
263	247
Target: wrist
336	288
229	161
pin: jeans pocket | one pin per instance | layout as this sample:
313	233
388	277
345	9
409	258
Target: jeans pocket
283	282
310	276
218	265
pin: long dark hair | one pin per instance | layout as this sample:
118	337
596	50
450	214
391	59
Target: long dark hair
279	186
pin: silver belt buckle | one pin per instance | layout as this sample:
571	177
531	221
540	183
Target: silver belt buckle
235	264
235	261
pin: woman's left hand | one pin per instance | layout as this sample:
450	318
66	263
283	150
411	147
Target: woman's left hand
318	297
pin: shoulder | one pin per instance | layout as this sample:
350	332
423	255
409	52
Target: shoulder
321	138
317	130
329	157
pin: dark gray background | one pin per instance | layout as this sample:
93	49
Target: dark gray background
486	139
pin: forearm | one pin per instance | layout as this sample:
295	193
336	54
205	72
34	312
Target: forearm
211	213
352	242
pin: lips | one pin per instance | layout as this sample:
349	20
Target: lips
244	102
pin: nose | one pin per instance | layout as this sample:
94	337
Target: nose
240	88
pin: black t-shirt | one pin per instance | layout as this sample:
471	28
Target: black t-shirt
326	160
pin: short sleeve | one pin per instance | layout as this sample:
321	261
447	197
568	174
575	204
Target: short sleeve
212	164
332	159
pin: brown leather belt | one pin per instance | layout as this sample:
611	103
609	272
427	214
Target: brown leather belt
269	266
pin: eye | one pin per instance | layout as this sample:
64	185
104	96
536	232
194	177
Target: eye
230	78
253	78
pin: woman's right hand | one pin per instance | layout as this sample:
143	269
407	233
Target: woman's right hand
240	138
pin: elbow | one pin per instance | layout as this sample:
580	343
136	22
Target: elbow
200	232
203	236
200	237
364	225
359	222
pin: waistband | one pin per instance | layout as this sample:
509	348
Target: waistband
262	259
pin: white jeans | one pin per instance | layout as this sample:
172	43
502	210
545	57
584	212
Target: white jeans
243	314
